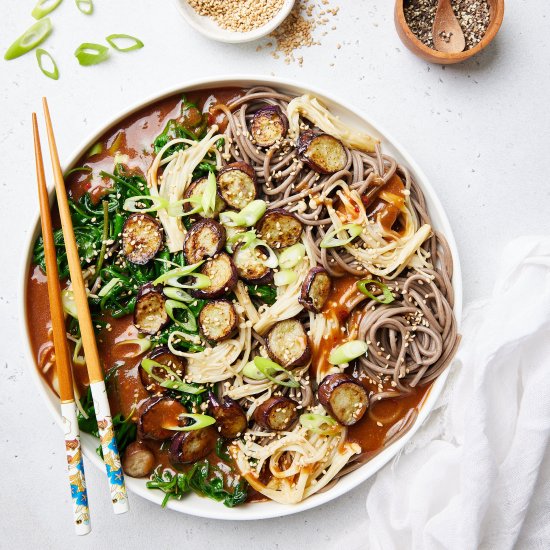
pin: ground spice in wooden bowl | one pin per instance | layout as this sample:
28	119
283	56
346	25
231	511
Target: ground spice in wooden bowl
473	16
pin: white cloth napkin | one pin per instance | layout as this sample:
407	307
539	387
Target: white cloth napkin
477	474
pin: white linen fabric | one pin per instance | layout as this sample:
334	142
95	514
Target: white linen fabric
477	474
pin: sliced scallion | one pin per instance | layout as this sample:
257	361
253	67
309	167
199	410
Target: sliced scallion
330	240
77	169
172	277
247	217
347	352
268	367
315	422
32	37
208	200
388	297
85	6
190	322
250	370
199	421
135	43
108	287
69	304
143	345
292	256
43	7
285	277
173	383
132	204
178	294
95	150
89	53
53	71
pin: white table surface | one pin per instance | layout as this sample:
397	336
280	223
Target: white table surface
480	131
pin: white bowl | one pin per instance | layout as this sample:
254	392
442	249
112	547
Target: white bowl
193	504
209	27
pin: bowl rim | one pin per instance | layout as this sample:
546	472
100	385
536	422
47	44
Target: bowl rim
193	504
442	57
231	37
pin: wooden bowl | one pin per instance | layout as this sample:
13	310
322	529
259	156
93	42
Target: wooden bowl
435	56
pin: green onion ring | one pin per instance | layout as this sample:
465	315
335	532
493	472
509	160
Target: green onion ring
85	56
313	423
54	73
347	352
200	421
176	384
190	324
177	294
290	257
32	37
85	6
112	38
267	367
331	241
175	274
388	296
42	8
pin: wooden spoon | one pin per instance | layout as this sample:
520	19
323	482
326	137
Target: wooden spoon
446	31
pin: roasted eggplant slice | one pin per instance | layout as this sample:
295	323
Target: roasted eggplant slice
157	412
142	238
321	152
204	239
315	289
288	345
344	398
268	126
279	228
164	356
222	274
237	184
149	313
277	413
250	265
230	417
196	189
187	447
218	320
138	460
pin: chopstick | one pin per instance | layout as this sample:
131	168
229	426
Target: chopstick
111	456
77	480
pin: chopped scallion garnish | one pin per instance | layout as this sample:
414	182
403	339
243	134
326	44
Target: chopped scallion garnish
32	37
285	277
85	6
388	297
135	43
199	421
330	240
347	352
190	322
172	277
89	53
292	256
43	7
173	383
53	71
268	367
247	217
315	422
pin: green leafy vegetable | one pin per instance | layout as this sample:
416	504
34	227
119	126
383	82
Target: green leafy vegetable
266	293
203	478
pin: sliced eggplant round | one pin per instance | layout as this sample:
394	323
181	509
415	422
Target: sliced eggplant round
164	356
250	265
322	152
288	344
279	228
156	414
237	184
277	413
222	274
187	447
315	289
204	239
344	398
142	238
196	189
218	320
230	417
268	126
149	313
138	460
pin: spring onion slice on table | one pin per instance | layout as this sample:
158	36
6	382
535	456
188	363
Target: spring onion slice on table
32	37
85	6
44	7
53	71
135	43
89	53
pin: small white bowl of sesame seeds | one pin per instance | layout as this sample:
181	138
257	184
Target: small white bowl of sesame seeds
235	21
